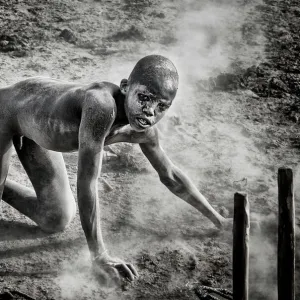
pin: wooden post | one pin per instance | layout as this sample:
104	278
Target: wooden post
240	259
286	236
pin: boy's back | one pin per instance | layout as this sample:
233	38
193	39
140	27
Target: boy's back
49	111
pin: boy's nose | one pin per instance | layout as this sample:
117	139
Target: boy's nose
149	111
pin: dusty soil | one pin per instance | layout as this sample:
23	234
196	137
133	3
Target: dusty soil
233	123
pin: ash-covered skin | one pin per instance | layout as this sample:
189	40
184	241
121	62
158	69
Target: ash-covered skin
51	116
149	91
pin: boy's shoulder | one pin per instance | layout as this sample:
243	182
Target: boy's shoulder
103	85
103	93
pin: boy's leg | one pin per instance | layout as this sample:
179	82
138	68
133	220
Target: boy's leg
51	204
5	154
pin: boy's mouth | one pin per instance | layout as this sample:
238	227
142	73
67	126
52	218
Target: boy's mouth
143	122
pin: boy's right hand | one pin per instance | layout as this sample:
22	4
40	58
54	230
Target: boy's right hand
226	224
113	269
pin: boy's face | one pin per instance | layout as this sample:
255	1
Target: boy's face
143	107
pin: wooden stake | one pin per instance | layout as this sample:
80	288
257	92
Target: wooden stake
241	229
286	236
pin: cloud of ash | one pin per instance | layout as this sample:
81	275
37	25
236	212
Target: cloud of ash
77	282
202	133
210	38
263	269
263	259
74	280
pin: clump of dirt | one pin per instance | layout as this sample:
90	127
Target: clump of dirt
68	36
10	43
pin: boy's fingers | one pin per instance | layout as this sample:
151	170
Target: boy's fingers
133	270
124	269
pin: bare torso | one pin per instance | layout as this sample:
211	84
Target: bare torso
49	113
64	117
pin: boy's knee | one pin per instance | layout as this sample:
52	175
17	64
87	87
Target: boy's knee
57	220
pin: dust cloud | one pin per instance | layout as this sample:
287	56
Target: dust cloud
263	259
211	42
76	280
203	135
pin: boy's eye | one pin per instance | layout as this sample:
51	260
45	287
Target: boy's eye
162	106
143	97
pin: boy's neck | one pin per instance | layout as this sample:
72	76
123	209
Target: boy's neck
121	118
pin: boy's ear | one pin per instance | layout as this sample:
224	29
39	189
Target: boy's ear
124	86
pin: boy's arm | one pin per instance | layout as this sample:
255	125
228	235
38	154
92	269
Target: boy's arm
177	182
96	120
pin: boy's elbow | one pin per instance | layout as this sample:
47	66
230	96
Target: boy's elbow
175	181
170	179
167	180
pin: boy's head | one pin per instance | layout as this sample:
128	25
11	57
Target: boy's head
149	90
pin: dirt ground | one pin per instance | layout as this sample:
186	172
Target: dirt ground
233	123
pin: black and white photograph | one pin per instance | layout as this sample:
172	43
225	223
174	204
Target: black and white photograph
149	150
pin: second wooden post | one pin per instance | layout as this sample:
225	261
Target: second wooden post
286	235
240	259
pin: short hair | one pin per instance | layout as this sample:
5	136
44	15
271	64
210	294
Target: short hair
156	72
